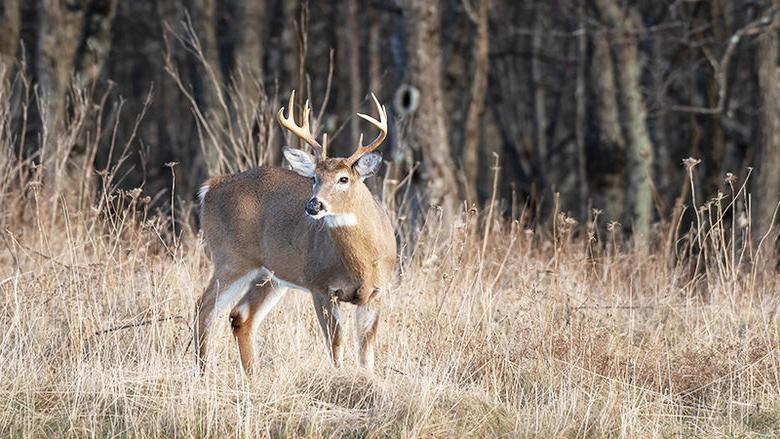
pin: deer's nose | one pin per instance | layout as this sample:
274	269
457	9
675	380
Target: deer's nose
314	206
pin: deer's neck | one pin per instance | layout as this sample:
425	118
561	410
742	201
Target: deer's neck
360	236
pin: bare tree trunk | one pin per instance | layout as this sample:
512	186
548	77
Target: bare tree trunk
247	33
714	157
208	81
768	184
478	89
59	34
375	54
354	67
429	130
580	95
299	14
90	60
204	22
60	24
10	26
607	173
540	115
249	26
640	147
96	41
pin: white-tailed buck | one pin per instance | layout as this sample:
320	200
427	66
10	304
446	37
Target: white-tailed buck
316	228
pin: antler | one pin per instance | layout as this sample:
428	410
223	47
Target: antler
381	124
301	131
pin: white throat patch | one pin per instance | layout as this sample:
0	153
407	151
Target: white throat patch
341	220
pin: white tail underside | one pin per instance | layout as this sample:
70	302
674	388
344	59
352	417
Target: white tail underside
228	296
202	193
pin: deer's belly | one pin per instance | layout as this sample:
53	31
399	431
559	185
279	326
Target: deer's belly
280	282
324	283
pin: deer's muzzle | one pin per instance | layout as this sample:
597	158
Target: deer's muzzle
314	207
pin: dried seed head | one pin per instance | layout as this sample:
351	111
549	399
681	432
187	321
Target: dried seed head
691	162
742	220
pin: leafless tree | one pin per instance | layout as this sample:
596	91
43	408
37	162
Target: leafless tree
429	131
768	185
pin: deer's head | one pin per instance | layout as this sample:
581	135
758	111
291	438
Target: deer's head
336	182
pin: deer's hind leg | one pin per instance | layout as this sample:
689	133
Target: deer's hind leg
225	287
249	312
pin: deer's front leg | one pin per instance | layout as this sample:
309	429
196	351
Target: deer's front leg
327	310
367	322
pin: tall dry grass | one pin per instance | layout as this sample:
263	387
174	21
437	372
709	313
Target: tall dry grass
494	328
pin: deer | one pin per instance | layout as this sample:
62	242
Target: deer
315	228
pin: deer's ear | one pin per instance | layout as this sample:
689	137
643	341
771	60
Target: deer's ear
368	165
301	161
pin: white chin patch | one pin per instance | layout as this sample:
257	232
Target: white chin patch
341	220
320	214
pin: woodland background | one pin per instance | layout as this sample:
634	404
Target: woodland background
582	192
598	100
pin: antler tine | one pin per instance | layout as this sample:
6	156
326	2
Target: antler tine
301	131
381	124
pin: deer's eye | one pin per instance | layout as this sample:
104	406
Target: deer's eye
344	180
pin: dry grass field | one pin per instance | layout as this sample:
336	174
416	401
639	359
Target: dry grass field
497	324
494	328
